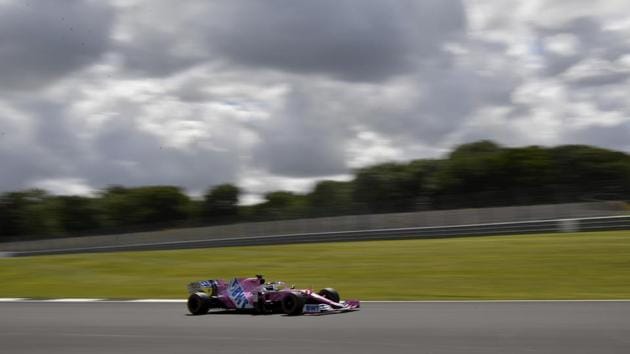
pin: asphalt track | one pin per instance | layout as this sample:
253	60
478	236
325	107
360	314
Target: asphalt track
429	327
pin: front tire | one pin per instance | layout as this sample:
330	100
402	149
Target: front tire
293	304
330	293
198	303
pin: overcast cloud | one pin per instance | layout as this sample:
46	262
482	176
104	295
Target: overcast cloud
277	94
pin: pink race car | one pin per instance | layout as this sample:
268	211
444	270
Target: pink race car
256	295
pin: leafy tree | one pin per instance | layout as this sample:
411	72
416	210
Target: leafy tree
388	187
221	203
331	198
144	205
76	214
484	174
479	148
117	206
426	172
471	176
526	175
25	213
283	205
478	174
586	172
160	204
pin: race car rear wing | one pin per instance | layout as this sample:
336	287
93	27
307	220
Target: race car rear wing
207	286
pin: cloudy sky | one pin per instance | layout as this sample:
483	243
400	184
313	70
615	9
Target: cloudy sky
276	94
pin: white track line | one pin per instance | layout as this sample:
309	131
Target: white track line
158	300
491	301
73	300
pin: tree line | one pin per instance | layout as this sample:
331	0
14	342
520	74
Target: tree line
479	174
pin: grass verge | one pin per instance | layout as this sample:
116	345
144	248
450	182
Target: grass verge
546	266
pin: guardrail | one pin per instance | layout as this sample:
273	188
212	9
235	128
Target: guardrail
505	228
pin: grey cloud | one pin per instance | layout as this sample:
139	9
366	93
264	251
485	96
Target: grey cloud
43	40
310	136
118	153
153	54
584	29
367	40
126	155
352	40
54	132
600	79
593	42
446	98
608	100
21	164
18	167
304	140
51	152
609	136
364	66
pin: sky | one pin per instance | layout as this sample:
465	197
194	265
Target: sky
278	94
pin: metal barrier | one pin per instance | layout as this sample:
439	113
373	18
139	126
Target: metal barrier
489	229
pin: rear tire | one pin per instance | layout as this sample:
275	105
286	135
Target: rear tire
293	304
330	293
198	303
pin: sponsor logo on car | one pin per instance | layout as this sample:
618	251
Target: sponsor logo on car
237	295
311	308
207	283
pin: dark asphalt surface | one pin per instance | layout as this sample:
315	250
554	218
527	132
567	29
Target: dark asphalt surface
505	327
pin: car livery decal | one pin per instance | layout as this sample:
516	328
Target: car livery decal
237	295
311	308
207	283
198	286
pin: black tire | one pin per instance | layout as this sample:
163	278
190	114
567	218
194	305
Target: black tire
198	303
293	304
329	293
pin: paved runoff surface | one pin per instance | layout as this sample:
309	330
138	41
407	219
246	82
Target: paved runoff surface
55	327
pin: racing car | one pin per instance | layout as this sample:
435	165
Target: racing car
258	296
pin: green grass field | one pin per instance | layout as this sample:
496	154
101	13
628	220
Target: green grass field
545	266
